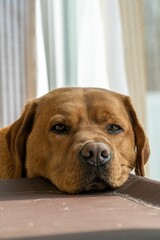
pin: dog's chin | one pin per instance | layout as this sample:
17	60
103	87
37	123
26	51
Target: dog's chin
92	185
96	185
91	182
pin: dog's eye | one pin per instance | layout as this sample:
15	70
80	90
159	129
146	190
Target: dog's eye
114	129
59	128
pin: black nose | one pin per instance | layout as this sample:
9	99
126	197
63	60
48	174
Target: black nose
95	153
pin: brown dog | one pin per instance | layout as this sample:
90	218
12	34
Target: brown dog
79	138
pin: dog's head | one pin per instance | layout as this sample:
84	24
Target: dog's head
79	138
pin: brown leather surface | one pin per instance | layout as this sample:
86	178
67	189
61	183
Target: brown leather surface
141	189
35	209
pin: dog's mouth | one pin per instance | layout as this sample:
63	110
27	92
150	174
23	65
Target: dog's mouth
96	179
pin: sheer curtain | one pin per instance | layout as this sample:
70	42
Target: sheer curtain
132	15
17	57
83	44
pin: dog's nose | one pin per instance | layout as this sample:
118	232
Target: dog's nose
95	153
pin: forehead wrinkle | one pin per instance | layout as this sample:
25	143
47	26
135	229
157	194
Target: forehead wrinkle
105	107
106	115
72	111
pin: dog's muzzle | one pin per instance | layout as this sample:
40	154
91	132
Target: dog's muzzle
95	153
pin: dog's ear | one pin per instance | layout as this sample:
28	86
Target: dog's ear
17	135
141	141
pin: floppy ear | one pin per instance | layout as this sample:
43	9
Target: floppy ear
141	141
17	135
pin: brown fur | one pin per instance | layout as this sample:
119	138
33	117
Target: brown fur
29	146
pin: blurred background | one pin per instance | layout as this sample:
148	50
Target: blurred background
113	44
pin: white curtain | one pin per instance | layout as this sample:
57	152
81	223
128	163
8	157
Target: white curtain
17	57
112	25
82	44
91	53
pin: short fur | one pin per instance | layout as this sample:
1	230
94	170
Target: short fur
29	147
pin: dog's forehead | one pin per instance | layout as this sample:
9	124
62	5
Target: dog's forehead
72	100
89	95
